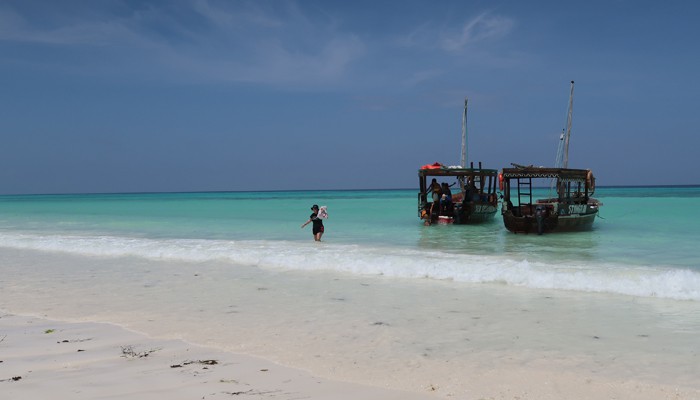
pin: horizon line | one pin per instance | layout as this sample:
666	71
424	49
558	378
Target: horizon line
303	190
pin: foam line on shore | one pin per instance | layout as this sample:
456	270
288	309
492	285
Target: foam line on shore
642	281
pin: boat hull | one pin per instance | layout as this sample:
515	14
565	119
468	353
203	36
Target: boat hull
550	223
477	213
572	209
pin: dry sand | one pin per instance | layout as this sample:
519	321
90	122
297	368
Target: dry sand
42	359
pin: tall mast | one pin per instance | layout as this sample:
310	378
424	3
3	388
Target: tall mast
464	135
568	127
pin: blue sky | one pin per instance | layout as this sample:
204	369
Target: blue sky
140	96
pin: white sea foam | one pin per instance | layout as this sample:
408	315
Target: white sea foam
648	281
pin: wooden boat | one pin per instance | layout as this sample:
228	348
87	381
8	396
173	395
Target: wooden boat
475	200
573	208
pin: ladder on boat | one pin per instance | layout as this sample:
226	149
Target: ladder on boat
525	191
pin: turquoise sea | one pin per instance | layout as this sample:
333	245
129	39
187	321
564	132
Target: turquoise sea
382	300
644	242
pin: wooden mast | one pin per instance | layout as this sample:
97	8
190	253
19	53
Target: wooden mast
464	135
568	127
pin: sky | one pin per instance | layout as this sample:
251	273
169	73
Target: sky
210	95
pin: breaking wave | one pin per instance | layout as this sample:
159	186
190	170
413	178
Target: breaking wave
649	281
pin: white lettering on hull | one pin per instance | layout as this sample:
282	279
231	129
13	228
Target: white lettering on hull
577	208
482	209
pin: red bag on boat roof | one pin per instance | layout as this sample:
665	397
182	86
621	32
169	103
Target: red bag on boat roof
436	165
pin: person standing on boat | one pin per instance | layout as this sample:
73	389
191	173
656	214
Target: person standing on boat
318	228
446	200
472	193
436	189
437	192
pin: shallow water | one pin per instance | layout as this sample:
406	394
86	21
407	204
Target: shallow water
643	244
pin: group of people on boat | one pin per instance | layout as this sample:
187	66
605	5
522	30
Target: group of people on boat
442	196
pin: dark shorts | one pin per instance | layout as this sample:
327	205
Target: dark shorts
318	230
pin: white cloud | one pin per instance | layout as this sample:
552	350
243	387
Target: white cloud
273	62
207	40
69	29
478	29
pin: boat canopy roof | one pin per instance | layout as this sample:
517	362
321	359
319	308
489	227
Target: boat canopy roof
563	174
438	169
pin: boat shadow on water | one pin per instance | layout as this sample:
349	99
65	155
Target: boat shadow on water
492	239
564	248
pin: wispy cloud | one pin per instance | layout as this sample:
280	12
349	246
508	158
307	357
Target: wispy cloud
202	40
18	28
478	29
279	43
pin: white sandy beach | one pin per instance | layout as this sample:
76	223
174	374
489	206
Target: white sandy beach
42	359
68	332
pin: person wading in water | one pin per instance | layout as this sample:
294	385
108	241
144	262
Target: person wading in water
318	223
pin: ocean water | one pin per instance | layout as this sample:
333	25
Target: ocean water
383	299
644	242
